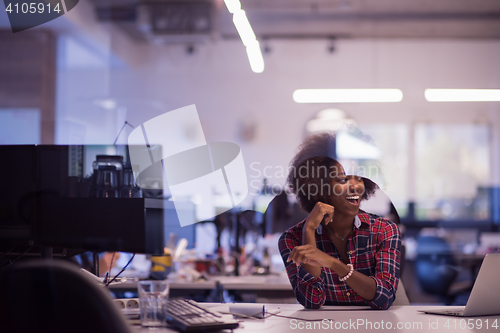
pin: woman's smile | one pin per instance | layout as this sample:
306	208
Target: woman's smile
353	199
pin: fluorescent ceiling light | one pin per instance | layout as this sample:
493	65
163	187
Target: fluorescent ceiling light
255	57
347	95
247	35
244	28
462	95
233	5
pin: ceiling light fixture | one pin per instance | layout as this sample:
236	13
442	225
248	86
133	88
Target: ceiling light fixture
462	95
255	57
329	120
347	95
108	103
233	5
247	35
244	28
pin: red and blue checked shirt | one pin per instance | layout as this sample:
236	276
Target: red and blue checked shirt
374	250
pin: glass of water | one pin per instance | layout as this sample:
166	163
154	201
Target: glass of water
153	298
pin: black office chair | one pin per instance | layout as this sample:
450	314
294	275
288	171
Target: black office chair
54	296
436	270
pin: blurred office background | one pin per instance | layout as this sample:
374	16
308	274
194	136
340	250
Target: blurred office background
79	78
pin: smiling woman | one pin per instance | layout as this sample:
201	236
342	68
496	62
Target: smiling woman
339	254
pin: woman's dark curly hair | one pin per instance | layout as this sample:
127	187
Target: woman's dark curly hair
313	168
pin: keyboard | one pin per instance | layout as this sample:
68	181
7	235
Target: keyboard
188	316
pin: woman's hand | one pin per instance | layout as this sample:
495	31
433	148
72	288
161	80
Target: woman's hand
320	212
310	255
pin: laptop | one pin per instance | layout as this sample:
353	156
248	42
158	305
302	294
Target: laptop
485	294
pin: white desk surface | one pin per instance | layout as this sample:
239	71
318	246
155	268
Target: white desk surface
252	282
399	319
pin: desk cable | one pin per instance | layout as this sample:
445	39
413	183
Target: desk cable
117	275
266	315
12	261
108	273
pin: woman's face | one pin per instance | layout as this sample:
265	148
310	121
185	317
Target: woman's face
346	193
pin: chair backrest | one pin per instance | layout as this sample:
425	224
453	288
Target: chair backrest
434	249
434	265
401	297
54	296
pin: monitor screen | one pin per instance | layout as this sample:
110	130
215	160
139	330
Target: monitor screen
78	197
17	194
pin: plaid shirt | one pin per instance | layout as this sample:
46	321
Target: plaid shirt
373	249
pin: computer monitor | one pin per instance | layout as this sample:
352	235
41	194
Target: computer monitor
50	198
18	186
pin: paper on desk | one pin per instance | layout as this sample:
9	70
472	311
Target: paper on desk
247	309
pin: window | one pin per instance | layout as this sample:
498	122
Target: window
452	171
19	126
449	178
382	151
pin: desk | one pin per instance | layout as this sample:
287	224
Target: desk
263	286
251	282
259	289
400	319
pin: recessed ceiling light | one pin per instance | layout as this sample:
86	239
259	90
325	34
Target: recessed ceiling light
108	104
347	95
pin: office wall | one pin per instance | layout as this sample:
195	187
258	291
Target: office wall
27	84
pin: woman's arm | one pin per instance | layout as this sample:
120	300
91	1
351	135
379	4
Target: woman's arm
388	260
312	259
363	285
310	256
308	289
380	289
321	212
309	238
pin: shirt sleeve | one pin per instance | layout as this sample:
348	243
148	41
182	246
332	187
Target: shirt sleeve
387	258
310	291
